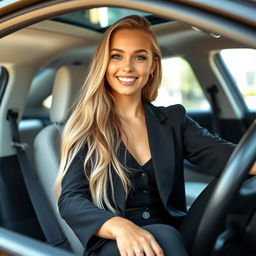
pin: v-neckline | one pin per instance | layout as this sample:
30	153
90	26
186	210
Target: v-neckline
136	161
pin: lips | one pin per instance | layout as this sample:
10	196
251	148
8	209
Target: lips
126	80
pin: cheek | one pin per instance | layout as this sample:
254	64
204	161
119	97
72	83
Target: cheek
145	70
111	69
110	75
109	72
107	76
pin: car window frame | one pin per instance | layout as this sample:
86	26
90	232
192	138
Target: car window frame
4	78
15	243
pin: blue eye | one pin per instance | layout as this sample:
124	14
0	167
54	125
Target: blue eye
116	56
141	57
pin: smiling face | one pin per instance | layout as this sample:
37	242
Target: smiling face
131	62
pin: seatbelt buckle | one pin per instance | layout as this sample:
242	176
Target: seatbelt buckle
19	145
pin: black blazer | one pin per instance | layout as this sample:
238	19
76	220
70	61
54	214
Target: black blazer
173	137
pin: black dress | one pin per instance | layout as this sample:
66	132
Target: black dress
143	205
145	209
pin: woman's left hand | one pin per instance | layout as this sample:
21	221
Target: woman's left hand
253	169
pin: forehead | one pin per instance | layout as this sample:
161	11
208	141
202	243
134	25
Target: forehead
128	39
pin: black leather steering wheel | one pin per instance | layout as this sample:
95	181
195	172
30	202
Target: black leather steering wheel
226	188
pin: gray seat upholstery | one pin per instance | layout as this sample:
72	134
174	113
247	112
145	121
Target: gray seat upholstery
195	182
67	83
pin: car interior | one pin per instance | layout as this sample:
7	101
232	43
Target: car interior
44	65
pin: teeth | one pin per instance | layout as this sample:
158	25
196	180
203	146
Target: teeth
126	79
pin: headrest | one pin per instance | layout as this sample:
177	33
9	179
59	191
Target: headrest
67	83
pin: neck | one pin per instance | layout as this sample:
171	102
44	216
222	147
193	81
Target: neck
128	107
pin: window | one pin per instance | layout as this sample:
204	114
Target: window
98	18
241	64
180	86
9	2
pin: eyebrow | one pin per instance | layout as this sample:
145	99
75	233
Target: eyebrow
136	51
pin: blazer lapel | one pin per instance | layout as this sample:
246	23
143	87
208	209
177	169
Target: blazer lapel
161	144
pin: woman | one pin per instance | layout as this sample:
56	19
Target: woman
120	183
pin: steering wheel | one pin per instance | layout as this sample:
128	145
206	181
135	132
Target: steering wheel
226	188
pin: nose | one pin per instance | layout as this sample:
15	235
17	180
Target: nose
128	65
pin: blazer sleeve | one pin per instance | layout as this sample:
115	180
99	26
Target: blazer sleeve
201	148
76	207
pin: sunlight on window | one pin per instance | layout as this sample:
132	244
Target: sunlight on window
94	15
101	17
180	86
47	102
8	2
241	64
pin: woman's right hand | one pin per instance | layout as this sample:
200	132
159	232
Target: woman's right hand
131	239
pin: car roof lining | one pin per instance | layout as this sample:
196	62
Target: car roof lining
171	10
70	44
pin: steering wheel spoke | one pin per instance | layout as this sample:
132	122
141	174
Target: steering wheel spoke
223	239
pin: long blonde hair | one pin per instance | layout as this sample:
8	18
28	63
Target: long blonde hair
94	124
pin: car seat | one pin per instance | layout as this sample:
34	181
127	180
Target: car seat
68	81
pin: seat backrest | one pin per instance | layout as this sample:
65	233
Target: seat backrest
68	81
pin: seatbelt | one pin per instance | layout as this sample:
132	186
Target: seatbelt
213	90
47	221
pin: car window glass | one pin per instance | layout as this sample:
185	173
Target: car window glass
241	64
98	18
180	86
